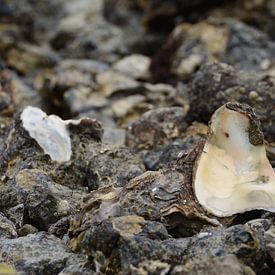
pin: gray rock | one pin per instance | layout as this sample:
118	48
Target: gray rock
270	242
113	165
78	264
16	214
7	228
27	229
155	128
238	240
208	265
60	228
39	253
150	267
44	201
130	240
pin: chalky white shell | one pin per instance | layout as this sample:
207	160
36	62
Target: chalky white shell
50	132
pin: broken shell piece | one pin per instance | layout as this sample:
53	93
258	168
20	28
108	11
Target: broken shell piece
232	174
50	132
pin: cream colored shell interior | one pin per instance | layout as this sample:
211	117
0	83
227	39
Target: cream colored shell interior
233	175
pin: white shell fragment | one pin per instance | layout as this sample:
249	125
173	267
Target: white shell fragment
232	175
50	132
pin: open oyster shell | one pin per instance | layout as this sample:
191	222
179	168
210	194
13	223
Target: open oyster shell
232	173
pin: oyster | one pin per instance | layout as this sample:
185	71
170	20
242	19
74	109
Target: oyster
232	173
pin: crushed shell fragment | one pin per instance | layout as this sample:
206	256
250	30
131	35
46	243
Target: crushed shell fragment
50	132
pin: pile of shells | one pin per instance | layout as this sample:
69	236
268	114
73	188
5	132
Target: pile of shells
137	137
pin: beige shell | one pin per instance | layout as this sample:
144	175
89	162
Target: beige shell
232	173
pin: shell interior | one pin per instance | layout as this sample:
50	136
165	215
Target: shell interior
232	175
50	132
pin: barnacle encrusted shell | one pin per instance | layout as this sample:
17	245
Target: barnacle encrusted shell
232	173
50	132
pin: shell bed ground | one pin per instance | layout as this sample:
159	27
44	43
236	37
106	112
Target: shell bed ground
119	150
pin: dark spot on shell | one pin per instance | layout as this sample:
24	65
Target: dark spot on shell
226	134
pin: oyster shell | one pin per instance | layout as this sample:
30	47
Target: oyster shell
232	174
51	132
